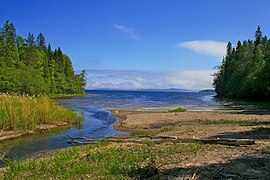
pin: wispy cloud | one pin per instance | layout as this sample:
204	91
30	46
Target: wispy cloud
213	48
125	79
133	33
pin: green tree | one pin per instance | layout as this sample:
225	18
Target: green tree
30	67
41	42
244	72
11	55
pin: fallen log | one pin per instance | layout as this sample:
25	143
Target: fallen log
83	138
164	139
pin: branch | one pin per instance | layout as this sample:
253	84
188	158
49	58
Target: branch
83	138
164	139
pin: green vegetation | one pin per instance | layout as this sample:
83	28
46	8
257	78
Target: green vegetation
102	161
152	132
58	96
244	72
180	109
96	161
31	66
23	112
241	123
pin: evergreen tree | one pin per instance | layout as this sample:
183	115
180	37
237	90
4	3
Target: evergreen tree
11	55
41	42
244	72
21	41
30	67
258	36
31	40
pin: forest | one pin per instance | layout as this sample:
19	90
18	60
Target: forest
245	70
30	66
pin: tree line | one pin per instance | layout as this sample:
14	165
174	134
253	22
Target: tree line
33	67
245	69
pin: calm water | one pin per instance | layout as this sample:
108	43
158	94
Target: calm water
98	119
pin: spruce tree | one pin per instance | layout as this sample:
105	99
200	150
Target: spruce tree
41	42
258	36
11	55
30	67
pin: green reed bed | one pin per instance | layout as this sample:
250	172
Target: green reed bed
23	112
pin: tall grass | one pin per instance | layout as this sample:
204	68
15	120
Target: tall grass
23	112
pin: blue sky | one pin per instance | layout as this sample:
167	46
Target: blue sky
141	43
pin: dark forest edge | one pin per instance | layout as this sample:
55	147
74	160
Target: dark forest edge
29	66
244	72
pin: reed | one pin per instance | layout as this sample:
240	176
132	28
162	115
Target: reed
23	112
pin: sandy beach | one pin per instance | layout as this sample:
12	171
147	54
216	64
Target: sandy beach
213	161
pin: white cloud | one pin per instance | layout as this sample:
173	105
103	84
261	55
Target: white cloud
133	33
125	79
193	79
214	48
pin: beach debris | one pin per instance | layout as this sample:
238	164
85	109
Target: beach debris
162	139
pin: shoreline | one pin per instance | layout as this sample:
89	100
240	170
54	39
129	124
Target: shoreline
9	135
176	160
200	124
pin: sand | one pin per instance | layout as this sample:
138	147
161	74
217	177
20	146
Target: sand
215	161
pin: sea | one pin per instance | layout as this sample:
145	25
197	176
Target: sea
98	121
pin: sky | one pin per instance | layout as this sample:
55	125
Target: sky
136	44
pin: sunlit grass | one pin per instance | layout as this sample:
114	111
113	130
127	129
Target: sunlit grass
91	162
102	161
23	112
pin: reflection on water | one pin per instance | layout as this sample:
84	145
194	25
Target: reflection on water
99	122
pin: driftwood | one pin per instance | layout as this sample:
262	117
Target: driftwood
164	139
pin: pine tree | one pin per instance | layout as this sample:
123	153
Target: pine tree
21	41
31	40
30	67
11	56
244	73
2	47
41	42
258	36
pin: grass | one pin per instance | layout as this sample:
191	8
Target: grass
56	96
241	122
23	112
90	162
101	161
152	132
180	109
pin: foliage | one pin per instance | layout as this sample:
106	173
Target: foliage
244	72
180	109
29	66
23	112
